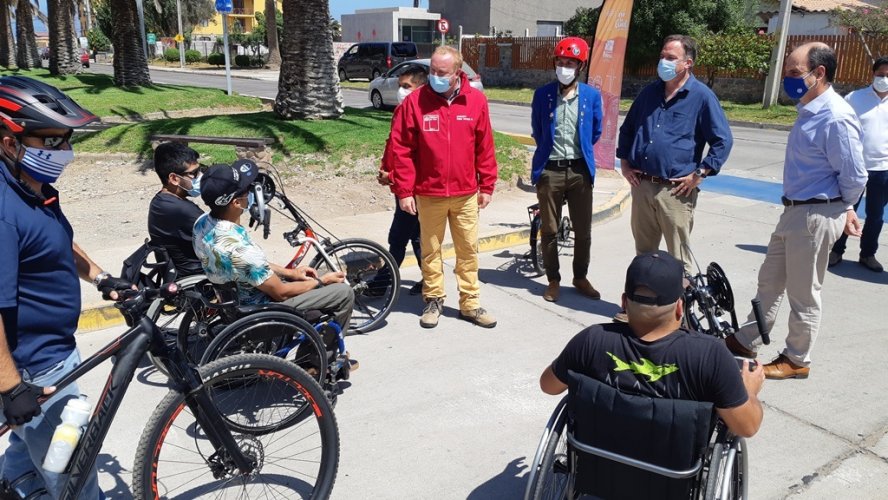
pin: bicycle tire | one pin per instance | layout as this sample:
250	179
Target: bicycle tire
172	430
360	259
536	246
553	464
267	332
715	465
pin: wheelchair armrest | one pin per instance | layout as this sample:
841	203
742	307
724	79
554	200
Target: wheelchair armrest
269	306
638	464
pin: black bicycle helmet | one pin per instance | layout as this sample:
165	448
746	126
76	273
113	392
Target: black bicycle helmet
27	104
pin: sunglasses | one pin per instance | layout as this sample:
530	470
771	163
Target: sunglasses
54	141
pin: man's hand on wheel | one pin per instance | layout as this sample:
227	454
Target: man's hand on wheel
109	286
329	278
20	404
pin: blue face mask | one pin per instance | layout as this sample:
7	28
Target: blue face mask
666	70
439	84
195	187
795	86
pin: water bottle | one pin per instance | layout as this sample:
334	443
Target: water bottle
75	416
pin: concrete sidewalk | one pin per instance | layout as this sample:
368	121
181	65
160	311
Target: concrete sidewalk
504	223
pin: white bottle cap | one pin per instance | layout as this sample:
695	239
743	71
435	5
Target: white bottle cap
77	412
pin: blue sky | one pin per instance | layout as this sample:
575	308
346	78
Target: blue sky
337	7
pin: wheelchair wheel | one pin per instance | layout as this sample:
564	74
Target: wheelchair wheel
564	230
272	332
173	317
726	479
549	474
536	246
371	271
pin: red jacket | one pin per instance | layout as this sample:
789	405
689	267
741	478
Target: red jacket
442	149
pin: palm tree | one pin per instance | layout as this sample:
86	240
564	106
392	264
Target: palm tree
26	56
64	53
130	64
271	34
7	44
308	86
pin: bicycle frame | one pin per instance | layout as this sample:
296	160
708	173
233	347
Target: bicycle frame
303	237
129	348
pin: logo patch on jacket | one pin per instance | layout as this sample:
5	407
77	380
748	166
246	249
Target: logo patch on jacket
430	123
463	118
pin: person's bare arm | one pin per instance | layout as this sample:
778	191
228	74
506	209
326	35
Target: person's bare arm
280	291
745	420
86	268
550	384
9	375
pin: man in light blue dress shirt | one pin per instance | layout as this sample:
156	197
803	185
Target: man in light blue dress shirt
823	177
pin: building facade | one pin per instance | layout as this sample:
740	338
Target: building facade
243	14
515	17
393	24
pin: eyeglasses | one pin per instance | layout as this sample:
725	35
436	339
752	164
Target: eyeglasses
191	175
54	141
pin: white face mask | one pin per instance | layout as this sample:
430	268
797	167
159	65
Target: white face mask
565	75
880	83
402	94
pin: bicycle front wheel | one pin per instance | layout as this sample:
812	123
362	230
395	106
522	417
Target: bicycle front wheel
536	246
285	425
373	275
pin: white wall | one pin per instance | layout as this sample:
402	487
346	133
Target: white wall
369	27
812	23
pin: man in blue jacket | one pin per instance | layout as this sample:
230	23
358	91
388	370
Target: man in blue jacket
566	122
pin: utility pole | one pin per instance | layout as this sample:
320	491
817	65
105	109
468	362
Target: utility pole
182	43
772	83
141	12
227	54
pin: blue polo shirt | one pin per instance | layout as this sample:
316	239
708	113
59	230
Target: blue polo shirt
39	291
666	139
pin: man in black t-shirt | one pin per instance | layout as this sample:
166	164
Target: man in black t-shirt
653	356
171	215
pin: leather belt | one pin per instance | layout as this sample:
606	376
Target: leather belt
811	201
656	180
563	164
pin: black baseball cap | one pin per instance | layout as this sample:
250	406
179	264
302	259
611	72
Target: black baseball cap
223	183
659	272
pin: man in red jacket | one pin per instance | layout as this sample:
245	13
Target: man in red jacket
444	169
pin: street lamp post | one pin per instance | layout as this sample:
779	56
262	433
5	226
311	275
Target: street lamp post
182	43
141	13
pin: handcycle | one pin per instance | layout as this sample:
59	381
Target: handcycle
245	425
565	228
369	268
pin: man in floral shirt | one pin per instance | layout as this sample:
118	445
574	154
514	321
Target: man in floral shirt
227	254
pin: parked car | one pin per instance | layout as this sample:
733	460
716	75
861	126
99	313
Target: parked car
44	53
383	91
371	59
84	57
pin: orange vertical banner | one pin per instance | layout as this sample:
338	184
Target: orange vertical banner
606	73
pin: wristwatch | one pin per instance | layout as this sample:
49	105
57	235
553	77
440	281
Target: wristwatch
700	172
99	277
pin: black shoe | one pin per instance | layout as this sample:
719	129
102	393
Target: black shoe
416	289
834	259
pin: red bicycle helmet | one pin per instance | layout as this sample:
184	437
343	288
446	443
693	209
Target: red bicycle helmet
27	104
574	48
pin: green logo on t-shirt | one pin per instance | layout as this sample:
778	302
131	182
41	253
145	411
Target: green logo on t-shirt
646	367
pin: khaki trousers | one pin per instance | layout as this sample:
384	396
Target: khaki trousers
553	188
658	214
461	212
794	267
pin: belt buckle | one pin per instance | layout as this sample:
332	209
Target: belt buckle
656	180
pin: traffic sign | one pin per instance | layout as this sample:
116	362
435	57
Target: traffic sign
152	38
179	38
443	25
224	6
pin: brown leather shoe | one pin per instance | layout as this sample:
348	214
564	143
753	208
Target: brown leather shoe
782	368
552	291
738	349
584	287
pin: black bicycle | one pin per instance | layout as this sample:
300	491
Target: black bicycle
565	228
244	426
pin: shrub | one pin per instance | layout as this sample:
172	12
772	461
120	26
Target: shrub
216	59
258	61
242	61
171	55
193	56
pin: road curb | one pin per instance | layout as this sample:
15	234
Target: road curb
99	318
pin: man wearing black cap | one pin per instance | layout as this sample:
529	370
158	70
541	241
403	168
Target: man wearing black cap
227	253
653	356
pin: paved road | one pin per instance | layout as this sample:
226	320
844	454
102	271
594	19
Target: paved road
456	412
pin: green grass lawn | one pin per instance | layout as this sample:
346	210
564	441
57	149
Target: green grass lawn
98	94
359	133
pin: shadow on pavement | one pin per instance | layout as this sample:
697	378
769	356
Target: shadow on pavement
506	485
762	249
853	270
109	465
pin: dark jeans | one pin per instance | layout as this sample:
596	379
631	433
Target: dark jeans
404	230
554	186
876	199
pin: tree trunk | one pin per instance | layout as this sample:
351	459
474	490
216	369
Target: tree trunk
64	53
27	56
308	86
130	64
81	14
7	44
271	32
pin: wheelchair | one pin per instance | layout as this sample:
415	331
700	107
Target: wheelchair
603	443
